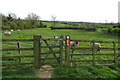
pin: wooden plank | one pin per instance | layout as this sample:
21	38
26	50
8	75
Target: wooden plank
114	49
14	64
93	52
19	52
50	63
95	41
61	51
88	48
17	40
76	54
37	51
67	51
50	53
17	49
50	47
16	56
81	60
50	58
88	60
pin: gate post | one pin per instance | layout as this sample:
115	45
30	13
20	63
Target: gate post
67	51
61	50
93	51
37	51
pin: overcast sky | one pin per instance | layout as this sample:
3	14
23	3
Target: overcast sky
64	10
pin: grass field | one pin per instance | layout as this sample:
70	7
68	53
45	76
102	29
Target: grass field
48	33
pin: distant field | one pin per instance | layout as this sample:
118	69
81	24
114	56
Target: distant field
48	33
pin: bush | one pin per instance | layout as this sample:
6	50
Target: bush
109	30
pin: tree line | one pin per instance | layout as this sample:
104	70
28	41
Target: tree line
12	22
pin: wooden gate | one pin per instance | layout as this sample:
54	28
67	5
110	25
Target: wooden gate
39	59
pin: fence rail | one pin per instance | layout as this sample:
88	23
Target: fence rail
90	48
16	56
88	60
95	41
17	40
76	54
38	60
14	64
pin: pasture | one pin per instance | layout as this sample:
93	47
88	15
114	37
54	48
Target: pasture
48	33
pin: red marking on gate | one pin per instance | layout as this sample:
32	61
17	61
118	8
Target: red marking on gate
68	40
45	39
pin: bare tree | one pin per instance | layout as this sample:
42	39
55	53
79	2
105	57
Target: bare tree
12	15
32	16
32	20
53	19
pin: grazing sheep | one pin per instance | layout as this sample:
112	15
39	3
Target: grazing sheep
96	45
11	30
18	30
7	33
55	36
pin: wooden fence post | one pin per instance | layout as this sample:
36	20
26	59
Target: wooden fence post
19	52
61	50
67	51
114	49
93	51
37	51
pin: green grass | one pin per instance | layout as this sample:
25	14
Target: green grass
26	72
75	34
48	33
87	71
57	24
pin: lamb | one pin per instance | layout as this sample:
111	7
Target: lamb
7	33
96	45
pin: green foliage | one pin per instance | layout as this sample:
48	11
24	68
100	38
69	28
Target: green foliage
18	73
85	72
10	23
114	31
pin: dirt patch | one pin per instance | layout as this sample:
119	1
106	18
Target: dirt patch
44	72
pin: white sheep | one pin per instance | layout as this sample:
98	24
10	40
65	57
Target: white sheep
96	46
18	30
7	33
55	36
11	30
